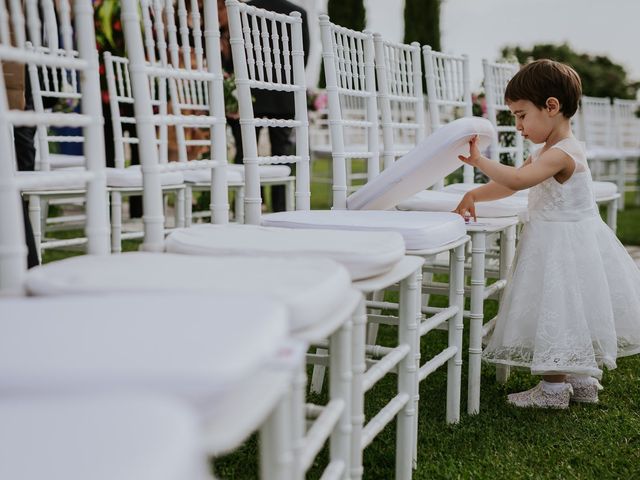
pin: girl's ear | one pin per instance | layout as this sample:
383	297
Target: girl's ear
552	105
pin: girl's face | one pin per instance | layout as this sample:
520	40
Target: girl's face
532	122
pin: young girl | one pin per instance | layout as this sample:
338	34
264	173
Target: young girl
572	303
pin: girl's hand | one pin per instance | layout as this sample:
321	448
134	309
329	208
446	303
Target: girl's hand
467	207
474	153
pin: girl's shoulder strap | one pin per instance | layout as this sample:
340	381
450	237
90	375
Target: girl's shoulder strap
575	149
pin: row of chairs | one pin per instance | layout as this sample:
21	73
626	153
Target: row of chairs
251	372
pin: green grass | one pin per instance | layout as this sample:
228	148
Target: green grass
587	442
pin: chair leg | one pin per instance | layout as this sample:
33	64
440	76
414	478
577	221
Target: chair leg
317	377
456	326
357	390
36	223
116	222
409	313
373	327
612	214
341	367
239	207
620	164
182	207
276	443
290	202
476	317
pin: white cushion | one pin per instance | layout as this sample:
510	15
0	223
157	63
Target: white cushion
441	201
99	438
420	230
203	175
265	171
604	189
603	153
363	254
51	180
132	177
61	160
465	187
193	345
312	289
430	161
601	189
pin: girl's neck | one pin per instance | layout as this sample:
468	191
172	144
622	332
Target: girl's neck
560	132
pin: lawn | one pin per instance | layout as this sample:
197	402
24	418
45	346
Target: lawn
588	441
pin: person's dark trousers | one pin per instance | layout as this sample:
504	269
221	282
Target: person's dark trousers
26	159
135	201
280	139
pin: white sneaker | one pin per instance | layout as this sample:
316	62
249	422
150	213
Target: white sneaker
538	397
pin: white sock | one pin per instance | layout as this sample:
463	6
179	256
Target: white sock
553	387
582	380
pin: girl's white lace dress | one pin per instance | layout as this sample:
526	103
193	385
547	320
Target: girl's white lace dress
572	303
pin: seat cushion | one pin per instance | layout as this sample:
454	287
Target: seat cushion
192	344
265	171
125	437
430	161
61	160
420	230
203	175
363	254
443	201
604	190
465	187
52	180
312	289
132	177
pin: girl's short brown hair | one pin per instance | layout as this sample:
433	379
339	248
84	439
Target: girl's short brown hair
541	79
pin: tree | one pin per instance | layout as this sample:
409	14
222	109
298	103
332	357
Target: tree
600	76
347	13
422	22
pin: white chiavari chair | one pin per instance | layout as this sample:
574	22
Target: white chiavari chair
626	125
28	47
101	437
448	92
595	128
93	321
355	56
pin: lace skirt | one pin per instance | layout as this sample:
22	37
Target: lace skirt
572	304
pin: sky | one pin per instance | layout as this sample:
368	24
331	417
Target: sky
480	28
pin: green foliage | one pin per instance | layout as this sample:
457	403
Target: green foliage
347	13
422	22
600	76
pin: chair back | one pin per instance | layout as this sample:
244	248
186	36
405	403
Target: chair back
348	59
195	92
268	55
626	124
399	75
29	36
509	141
596	122
448	91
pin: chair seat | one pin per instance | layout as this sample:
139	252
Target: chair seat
62	160
203	176
266	171
465	187
441	201
603	153
189	344
602	190
363	254
430	161
312	289
420	230
124	437
50	181
132	177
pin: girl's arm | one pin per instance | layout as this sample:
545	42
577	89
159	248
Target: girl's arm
485	193
550	163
